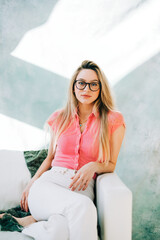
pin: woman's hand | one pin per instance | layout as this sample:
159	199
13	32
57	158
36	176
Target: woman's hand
24	198
83	176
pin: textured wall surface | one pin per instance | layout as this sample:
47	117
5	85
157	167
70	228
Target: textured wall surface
28	93
139	162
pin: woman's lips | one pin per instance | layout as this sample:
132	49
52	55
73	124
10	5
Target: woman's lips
85	95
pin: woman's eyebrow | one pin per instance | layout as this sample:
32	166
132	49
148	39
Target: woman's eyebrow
94	80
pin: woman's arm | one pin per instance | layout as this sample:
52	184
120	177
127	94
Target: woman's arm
115	143
44	167
46	164
86	173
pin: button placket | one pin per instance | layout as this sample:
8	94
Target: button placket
79	135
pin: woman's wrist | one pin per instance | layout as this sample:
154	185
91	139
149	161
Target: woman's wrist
34	178
96	167
103	167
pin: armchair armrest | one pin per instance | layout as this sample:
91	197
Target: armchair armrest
114	205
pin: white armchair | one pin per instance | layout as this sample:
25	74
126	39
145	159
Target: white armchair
113	198
114	205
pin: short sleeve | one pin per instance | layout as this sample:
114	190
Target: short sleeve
52	118
115	120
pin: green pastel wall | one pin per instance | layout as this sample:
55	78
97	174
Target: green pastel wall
27	92
139	162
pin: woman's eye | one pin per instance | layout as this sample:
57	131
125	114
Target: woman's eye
81	83
94	84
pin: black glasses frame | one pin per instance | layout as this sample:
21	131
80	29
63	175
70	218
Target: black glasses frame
87	83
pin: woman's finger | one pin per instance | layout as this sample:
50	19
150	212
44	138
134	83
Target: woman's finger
85	185
75	184
26	205
82	184
75	179
23	204
22	201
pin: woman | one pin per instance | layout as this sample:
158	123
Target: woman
86	137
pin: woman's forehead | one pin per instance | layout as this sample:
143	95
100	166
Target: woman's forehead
87	74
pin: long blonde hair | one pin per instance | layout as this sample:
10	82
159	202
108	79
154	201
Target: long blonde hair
103	105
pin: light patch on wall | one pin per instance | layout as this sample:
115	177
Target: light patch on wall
16	135
73	33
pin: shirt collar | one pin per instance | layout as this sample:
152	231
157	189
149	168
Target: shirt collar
94	112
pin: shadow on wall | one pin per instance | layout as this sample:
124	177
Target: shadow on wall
139	165
29	93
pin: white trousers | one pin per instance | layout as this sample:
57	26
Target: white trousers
62	214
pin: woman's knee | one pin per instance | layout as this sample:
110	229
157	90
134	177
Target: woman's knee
36	200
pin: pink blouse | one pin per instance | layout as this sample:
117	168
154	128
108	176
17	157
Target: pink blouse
75	149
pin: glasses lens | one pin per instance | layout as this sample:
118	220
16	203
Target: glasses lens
80	84
94	86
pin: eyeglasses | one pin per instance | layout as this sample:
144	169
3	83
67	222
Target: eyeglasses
93	86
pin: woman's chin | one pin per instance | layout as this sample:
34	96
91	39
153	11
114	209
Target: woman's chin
86	102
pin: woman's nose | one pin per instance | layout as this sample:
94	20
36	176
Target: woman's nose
87	87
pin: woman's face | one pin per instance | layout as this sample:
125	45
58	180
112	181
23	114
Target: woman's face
86	95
